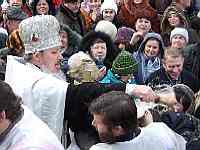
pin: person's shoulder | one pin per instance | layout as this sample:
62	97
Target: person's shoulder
186	74
27	131
50	85
157	74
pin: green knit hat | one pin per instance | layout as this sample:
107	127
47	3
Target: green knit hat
124	64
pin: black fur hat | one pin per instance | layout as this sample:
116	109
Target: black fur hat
90	38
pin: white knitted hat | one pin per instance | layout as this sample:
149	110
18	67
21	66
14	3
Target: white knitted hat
107	27
40	33
109	4
179	31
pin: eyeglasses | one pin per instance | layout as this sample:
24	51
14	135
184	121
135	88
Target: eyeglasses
108	11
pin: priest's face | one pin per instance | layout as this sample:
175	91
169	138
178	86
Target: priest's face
50	60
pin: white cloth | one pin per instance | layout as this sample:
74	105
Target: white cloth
30	133
43	93
156	136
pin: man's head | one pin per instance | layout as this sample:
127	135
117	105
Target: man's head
10	106
185	98
179	38
109	10
73	5
173	62
40	35
14	16
82	68
115	114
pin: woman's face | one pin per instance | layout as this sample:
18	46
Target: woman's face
143	25
64	39
95	4
108	14
174	20
151	48
42	7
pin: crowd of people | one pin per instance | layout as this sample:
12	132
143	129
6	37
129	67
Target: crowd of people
100	74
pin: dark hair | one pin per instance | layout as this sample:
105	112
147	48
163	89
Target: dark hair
117	109
161	50
185	96
9	102
52	10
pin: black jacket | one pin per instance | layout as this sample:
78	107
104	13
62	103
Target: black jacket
160	77
78	99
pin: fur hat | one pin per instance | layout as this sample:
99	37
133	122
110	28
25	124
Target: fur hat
107	27
82	68
124	64
124	34
179	31
109	4
15	43
16	13
90	38
165	27
40	33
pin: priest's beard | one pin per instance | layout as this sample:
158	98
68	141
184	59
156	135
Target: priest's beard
59	74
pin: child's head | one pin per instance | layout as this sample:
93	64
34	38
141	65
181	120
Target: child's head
124	65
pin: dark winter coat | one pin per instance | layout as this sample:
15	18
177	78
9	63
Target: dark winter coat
192	59
77	22
160	5
184	124
78	99
160	77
